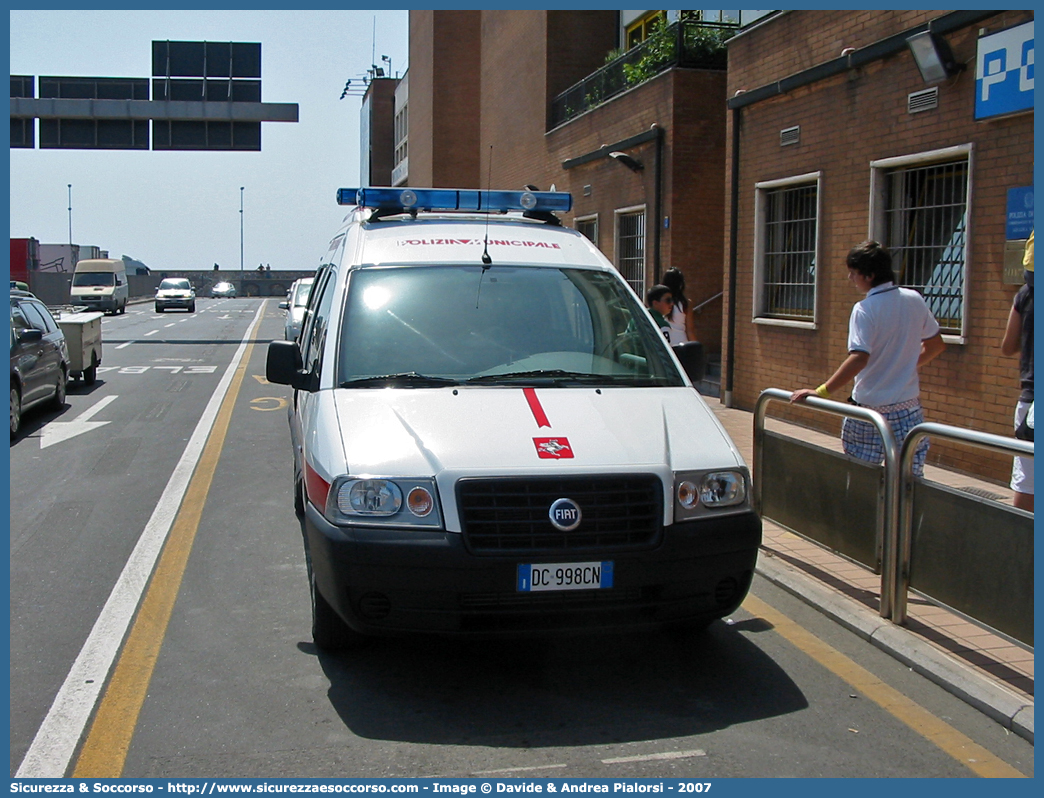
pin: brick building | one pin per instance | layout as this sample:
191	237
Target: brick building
840	139
515	98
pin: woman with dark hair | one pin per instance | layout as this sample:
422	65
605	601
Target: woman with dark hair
680	319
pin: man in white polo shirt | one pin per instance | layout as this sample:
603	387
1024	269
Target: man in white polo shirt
891	334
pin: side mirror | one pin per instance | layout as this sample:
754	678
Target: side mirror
284	306
284	367
690	354
30	335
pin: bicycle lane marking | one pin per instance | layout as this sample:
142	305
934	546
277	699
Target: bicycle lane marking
973	756
56	740
105	749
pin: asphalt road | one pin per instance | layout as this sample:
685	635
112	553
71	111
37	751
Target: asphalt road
218	676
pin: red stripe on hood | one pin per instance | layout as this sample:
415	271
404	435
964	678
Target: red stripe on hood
534	406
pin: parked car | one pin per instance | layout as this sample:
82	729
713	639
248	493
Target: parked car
295	305
39	358
175	292
223	290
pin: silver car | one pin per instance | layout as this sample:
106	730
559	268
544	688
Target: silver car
294	305
175	292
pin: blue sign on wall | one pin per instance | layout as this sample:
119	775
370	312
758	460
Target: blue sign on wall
1020	213
1004	72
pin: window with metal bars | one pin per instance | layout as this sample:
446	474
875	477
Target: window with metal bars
926	216
588	227
630	249
788	260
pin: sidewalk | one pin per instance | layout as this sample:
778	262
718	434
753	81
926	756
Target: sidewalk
989	672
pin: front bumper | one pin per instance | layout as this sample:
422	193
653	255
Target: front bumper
175	302
391	581
100	302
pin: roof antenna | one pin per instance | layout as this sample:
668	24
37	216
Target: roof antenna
487	261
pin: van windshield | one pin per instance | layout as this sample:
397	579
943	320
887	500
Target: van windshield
508	325
91	279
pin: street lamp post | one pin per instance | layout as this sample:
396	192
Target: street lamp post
70	214
241	228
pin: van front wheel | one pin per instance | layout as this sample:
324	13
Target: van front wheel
299	502
329	631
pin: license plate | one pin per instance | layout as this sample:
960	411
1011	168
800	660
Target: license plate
565	576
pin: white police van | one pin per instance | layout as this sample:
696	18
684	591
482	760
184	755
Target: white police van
491	436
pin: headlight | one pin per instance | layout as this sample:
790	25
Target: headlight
384	501
722	489
696	493
369	497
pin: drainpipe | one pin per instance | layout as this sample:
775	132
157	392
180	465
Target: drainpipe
658	204
733	238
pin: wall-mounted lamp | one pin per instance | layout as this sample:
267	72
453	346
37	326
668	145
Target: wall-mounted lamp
631	163
933	57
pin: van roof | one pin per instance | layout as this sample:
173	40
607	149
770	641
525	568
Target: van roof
463	238
100	265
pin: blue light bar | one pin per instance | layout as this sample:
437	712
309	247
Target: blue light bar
453	199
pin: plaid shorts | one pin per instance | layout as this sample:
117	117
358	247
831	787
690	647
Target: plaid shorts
860	438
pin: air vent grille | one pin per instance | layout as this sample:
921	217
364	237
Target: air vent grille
790	135
926	100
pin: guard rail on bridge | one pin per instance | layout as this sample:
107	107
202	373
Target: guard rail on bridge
972	555
52	288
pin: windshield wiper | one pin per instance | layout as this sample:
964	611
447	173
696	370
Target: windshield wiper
406	379
545	376
549	377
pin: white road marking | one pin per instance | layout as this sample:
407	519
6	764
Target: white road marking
56	739
124	346
517	770
151	332
655	757
58	431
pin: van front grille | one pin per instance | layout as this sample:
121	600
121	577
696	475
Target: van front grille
511	515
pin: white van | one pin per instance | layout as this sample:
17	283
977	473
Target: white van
491	437
100	283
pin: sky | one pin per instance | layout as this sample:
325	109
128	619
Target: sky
180	210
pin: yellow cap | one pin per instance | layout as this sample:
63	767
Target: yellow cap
1027	259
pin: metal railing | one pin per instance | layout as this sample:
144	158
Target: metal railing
706	302
887	499
688	43
1010	600
1000	596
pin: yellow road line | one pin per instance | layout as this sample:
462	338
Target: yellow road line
948	739
105	749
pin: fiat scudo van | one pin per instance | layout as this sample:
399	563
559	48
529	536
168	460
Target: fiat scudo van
491	437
